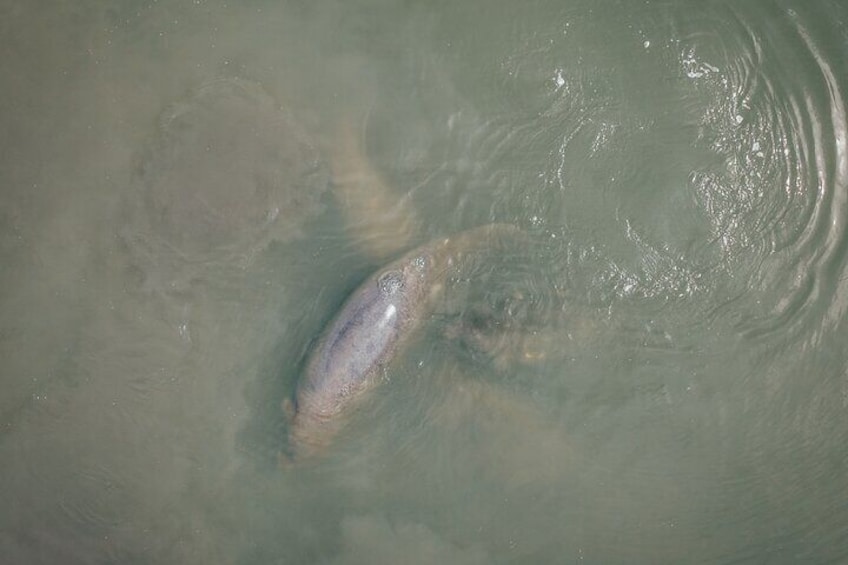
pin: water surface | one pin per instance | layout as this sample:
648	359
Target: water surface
659	376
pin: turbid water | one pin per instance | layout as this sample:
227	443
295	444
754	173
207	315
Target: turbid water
659	376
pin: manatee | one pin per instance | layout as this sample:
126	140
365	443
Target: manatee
380	222
375	322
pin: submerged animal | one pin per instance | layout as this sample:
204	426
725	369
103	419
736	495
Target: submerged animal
375	322
379	318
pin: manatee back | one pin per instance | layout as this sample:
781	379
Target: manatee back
356	343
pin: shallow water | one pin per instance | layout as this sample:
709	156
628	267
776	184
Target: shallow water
659	376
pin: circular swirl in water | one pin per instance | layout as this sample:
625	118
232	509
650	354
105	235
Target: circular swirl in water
228	172
775	202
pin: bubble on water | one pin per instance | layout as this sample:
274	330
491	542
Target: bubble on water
558	79
390	283
420	263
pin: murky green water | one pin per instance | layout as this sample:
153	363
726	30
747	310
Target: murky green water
658	375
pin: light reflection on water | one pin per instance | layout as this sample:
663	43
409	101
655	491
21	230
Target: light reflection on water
658	377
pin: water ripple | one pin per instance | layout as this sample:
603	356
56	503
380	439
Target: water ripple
777	206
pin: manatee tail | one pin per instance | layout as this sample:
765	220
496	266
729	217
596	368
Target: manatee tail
380	219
